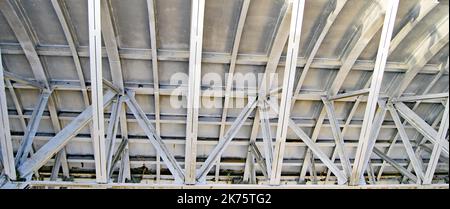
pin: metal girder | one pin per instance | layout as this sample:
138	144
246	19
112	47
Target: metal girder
95	47
317	152
105	25
326	21
370	144
249	168
193	96
62	13
400	168
288	88
279	41
267	136
421	97
154	51
314	136
429	46
56	143
112	51
369	26
339	139
259	159
14	18
111	133
225	141
154	138
342	179
349	94
420	10
371	23
216	58
406	142
421	125
416	105
117	155
229	79
33	125
20	79
437	149
7	152
380	64
124	172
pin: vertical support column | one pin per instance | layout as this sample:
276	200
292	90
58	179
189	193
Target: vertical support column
380	64
95	56
288	87
437	149
5	134
193	99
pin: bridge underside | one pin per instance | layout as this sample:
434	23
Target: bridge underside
224	94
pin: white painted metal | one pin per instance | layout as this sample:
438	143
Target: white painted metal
155	139
193	96
27	142
437	149
225	141
409	149
338	137
61	139
288	88
380	64
95	48
5	134
420	125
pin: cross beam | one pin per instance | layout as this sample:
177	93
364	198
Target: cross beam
154	138
56	143
437	149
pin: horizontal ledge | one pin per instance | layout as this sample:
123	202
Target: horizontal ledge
212	57
226	186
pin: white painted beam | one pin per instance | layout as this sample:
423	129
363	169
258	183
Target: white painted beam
267	136
349	94
437	38
33	125
259	159
62	13
155	139
5	134
400	168
229	81
414	17
421	97
111	134
339	139
406	142
225	141
437	149
342	179
56	143
326	21
380	64
421	125
21	79
98	133
369	26
193	97
26	42
288	88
